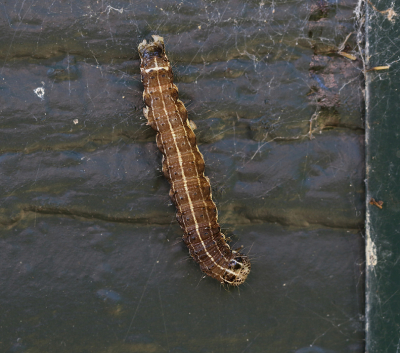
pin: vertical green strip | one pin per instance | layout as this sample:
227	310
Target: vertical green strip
383	176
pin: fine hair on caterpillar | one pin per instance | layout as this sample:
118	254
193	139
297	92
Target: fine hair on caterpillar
183	166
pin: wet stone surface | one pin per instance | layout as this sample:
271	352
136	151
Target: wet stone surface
91	254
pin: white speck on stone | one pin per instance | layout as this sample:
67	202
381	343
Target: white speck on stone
39	92
75	121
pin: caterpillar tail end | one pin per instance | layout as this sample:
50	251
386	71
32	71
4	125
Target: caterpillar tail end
238	269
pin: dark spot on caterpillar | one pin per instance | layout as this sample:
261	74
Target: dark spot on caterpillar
219	261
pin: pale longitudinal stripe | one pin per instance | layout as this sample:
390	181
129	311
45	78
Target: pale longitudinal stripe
183	172
203	200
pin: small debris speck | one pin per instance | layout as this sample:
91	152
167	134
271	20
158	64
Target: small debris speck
39	92
376	203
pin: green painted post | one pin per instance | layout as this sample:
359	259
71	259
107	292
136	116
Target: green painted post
383	176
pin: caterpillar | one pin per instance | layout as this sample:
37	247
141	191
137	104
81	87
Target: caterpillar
183	166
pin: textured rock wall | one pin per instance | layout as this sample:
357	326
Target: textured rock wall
91	253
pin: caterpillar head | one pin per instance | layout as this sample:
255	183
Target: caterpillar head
238	269
151	49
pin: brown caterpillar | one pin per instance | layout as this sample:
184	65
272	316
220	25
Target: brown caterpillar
183	166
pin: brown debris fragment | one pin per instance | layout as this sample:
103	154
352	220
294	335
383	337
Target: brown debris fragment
376	203
347	55
378	68
390	13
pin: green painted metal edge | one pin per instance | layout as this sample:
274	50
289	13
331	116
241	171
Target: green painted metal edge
382	94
